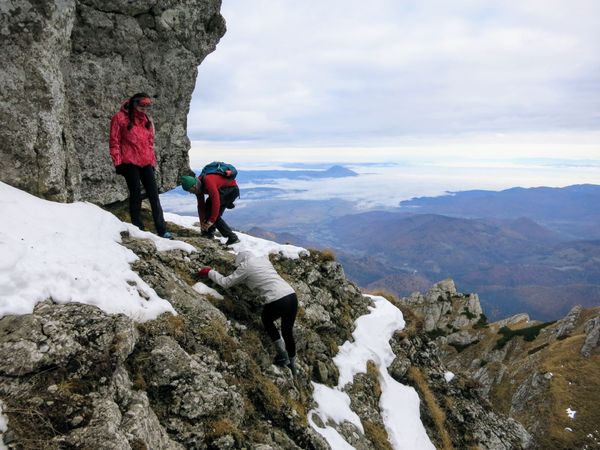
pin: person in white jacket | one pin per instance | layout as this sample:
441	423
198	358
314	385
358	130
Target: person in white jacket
280	300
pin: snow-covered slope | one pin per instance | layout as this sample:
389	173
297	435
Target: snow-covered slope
71	253
399	404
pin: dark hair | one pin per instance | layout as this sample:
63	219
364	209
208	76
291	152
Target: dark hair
131	104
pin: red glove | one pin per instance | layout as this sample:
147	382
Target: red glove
204	272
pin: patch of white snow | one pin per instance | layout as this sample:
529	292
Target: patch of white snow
203	289
71	252
334	405
448	376
3	427
257	246
399	404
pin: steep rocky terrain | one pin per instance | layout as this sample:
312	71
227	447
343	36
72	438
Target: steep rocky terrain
66	67
72	376
530	370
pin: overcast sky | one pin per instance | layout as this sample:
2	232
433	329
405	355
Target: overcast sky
387	74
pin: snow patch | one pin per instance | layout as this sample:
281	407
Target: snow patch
571	413
3	427
254	245
71	252
399	404
203	289
334	405
448	376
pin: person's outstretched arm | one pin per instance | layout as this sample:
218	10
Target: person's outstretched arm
238	276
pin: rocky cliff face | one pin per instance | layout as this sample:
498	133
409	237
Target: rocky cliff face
530	370
72	376
66	67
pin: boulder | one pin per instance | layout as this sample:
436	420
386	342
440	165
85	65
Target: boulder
66	67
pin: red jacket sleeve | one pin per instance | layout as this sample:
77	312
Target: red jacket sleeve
115	140
151	137
212	189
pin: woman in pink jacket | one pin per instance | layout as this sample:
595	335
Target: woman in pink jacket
132	153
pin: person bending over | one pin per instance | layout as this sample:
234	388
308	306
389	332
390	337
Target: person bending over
221	194
280	300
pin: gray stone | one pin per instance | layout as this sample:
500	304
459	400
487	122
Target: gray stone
592	338
462	338
517	318
566	325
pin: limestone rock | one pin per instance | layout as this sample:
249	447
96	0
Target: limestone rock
470	421
66	67
592	338
56	335
444	310
567	324
517	318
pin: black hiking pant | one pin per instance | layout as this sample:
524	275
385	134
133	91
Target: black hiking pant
227	197
133	176
285	308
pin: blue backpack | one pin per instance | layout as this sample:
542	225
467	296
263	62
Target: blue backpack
220	168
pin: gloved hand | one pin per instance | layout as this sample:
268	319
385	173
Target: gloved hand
206	225
204	272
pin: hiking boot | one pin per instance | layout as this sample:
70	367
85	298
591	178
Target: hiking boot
232	240
281	359
167	235
292	366
207	235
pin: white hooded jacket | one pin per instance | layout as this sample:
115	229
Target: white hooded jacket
258	274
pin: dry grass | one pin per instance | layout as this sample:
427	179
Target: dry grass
377	435
322	255
223	427
165	324
575	384
385	294
435	412
373	375
215	336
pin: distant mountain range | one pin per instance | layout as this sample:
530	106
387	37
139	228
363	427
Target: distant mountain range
524	250
266	176
573	210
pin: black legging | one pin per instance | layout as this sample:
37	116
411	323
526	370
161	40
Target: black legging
133	175
286	308
220	224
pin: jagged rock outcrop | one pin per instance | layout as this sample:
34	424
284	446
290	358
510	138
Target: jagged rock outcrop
592	337
444	310
522	366
455	413
66	67
566	325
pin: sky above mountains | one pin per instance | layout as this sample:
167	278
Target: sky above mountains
465	78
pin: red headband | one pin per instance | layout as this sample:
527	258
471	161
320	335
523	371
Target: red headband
145	101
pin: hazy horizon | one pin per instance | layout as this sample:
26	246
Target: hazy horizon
454	79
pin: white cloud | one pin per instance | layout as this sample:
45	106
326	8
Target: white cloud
351	72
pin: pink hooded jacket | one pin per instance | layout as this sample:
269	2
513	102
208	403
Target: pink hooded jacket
135	146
